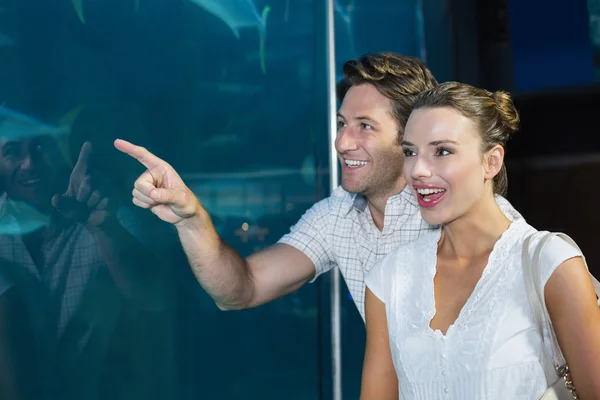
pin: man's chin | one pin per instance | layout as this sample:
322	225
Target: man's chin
351	188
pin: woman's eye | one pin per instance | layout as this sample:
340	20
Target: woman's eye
443	152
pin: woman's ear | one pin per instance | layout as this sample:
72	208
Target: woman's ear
493	162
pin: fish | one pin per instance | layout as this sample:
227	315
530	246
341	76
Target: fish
232	88
16	125
5	40
421	31
286	14
238	15
345	13
221	140
79	8
309	170
595	29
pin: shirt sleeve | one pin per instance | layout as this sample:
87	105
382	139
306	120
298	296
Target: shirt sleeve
378	279
555	252
309	235
374	281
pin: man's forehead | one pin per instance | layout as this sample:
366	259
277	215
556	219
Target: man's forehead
372	110
364	99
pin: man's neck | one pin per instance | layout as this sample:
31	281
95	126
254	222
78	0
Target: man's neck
378	214
377	205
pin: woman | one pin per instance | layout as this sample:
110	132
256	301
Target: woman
447	315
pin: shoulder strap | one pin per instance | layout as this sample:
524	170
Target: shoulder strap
536	308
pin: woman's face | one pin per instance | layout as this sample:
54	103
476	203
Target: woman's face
444	164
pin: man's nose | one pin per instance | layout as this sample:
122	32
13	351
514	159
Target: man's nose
29	159
346	140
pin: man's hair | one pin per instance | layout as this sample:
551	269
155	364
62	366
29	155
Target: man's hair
397	77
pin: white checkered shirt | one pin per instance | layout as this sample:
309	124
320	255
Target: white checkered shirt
73	301
339	231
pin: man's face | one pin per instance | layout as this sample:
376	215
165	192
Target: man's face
367	143
29	168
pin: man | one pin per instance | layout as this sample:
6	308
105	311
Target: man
372	213
74	265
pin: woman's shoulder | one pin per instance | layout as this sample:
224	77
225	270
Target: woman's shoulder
557	248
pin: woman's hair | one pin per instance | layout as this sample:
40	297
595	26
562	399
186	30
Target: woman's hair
397	77
494	114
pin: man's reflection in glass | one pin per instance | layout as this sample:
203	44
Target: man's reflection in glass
69	272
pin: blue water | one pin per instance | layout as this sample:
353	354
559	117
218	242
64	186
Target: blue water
253	145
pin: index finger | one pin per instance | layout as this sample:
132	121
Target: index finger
83	161
146	158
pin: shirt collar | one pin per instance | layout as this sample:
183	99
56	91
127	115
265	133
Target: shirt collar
359	201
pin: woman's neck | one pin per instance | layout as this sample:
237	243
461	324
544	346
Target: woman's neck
475	233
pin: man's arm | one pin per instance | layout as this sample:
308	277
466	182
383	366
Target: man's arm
379	379
232	281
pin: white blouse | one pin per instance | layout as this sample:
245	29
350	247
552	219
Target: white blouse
493	349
